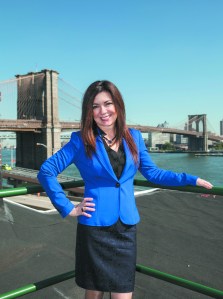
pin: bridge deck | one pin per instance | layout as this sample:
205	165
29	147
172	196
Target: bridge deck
23	125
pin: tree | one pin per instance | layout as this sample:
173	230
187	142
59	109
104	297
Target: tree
168	146
218	146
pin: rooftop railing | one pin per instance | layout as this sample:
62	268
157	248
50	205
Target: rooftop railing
202	289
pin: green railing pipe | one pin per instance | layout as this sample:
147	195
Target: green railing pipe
194	189
30	288
199	288
19	292
36	188
80	183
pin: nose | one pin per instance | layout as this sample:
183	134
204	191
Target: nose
103	109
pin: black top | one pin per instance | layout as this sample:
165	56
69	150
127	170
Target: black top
117	159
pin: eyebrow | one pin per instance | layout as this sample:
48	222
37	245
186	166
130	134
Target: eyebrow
110	100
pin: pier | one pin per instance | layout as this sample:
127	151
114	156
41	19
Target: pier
209	154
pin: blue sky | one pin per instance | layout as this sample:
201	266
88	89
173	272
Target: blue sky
165	56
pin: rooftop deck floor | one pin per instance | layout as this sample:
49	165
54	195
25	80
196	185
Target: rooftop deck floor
179	233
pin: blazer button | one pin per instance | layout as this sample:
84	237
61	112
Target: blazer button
117	185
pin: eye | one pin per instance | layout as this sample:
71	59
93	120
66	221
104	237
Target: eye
94	106
109	103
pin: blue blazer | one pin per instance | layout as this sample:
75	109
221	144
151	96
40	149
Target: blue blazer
113	197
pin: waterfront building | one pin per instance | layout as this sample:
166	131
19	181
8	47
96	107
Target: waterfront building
7	139
181	141
157	139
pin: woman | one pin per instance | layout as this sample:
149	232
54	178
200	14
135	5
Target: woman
108	155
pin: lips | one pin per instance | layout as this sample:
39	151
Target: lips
104	118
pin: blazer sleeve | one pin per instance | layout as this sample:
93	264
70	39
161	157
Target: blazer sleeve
53	166
157	175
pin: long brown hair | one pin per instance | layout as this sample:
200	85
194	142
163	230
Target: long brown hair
88	125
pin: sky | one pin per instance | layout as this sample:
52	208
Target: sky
165	56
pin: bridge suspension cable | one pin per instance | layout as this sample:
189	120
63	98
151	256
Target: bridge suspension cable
180	125
8	90
211	128
69	97
68	102
71	86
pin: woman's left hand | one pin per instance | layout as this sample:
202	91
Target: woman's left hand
202	183
84	208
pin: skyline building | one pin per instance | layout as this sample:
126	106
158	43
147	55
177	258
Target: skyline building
221	127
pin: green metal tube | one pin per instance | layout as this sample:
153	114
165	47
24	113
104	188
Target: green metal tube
37	286
36	188
19	292
80	183
194	189
53	280
180	281
214	293
20	191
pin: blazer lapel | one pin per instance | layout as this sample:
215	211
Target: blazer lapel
129	160
102	156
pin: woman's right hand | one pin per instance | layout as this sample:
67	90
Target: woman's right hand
83	208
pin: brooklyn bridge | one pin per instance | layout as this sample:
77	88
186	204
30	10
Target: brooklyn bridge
33	105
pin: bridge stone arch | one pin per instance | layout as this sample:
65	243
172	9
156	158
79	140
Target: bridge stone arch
198	143
37	98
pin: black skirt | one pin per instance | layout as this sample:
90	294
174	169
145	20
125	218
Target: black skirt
106	257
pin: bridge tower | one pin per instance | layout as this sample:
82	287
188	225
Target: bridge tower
197	143
38	99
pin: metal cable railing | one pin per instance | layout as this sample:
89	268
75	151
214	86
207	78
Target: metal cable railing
212	292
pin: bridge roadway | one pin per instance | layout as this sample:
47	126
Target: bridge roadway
25	125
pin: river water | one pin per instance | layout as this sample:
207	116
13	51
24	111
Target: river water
206	167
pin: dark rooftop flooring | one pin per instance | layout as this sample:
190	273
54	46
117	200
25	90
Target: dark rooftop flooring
179	233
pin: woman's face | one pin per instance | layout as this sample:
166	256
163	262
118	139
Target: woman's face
104	112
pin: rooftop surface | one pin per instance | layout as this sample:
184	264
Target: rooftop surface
179	233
